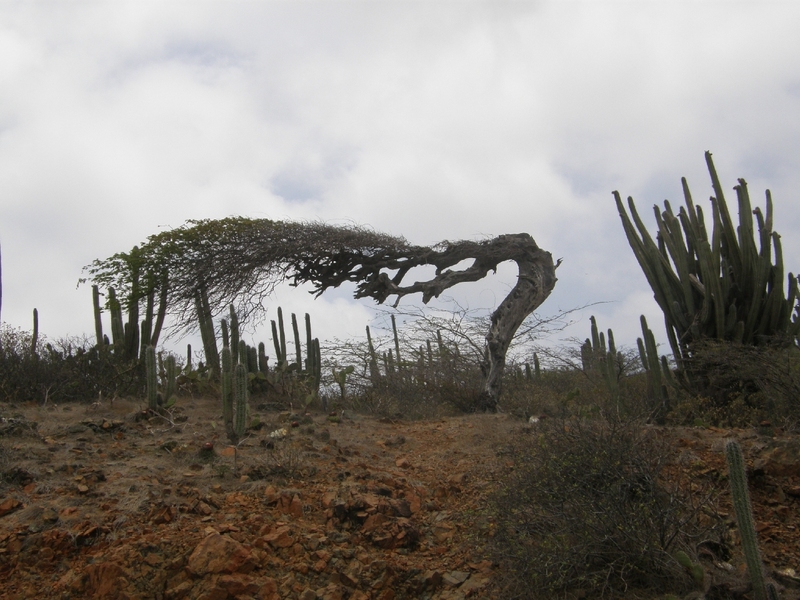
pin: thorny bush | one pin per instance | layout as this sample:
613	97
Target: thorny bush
62	371
591	506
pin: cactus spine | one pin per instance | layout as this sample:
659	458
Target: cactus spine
152	378
744	518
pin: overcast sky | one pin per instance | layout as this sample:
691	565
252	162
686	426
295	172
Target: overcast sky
430	120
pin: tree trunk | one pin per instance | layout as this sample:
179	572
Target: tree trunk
535	281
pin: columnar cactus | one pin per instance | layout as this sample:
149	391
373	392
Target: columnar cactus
595	355
297	348
374	372
117	329
227	388
744	518
279	338
207	334
240	422
151	378
263	364
242	354
234	323
35	336
171	380
721	287
98	322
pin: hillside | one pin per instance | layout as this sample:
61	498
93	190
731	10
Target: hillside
100	501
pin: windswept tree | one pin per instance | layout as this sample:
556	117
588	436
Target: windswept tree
214	263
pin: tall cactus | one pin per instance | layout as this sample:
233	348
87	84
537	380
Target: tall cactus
117	329
234	323
263	361
605	359
242	354
396	343
279	338
35	336
98	322
151	378
207	334
171	380
297	348
721	287
744	518
227	389
240	391
374	372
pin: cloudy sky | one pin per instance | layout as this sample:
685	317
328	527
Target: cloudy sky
431	120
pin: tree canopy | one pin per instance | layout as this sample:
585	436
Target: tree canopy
240	261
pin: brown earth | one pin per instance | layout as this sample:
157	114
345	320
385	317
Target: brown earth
100	501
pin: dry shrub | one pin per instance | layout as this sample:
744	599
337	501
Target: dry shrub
589	508
740	385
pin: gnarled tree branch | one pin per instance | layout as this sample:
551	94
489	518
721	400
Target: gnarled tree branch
238	260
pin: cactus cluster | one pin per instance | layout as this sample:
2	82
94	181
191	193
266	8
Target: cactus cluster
719	287
169	370
596	356
130	338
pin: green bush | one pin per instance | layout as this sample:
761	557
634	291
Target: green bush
589	507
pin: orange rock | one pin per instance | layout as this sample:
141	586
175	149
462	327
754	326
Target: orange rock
105	580
8	505
220	554
280	538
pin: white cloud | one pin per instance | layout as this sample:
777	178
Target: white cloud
431	120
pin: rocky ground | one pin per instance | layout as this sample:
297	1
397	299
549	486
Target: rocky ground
100	501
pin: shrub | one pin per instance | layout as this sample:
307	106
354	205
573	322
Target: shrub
740	385
590	507
62	371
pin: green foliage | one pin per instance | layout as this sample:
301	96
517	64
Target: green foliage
721	287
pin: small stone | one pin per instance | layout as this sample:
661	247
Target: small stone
455	578
403	463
